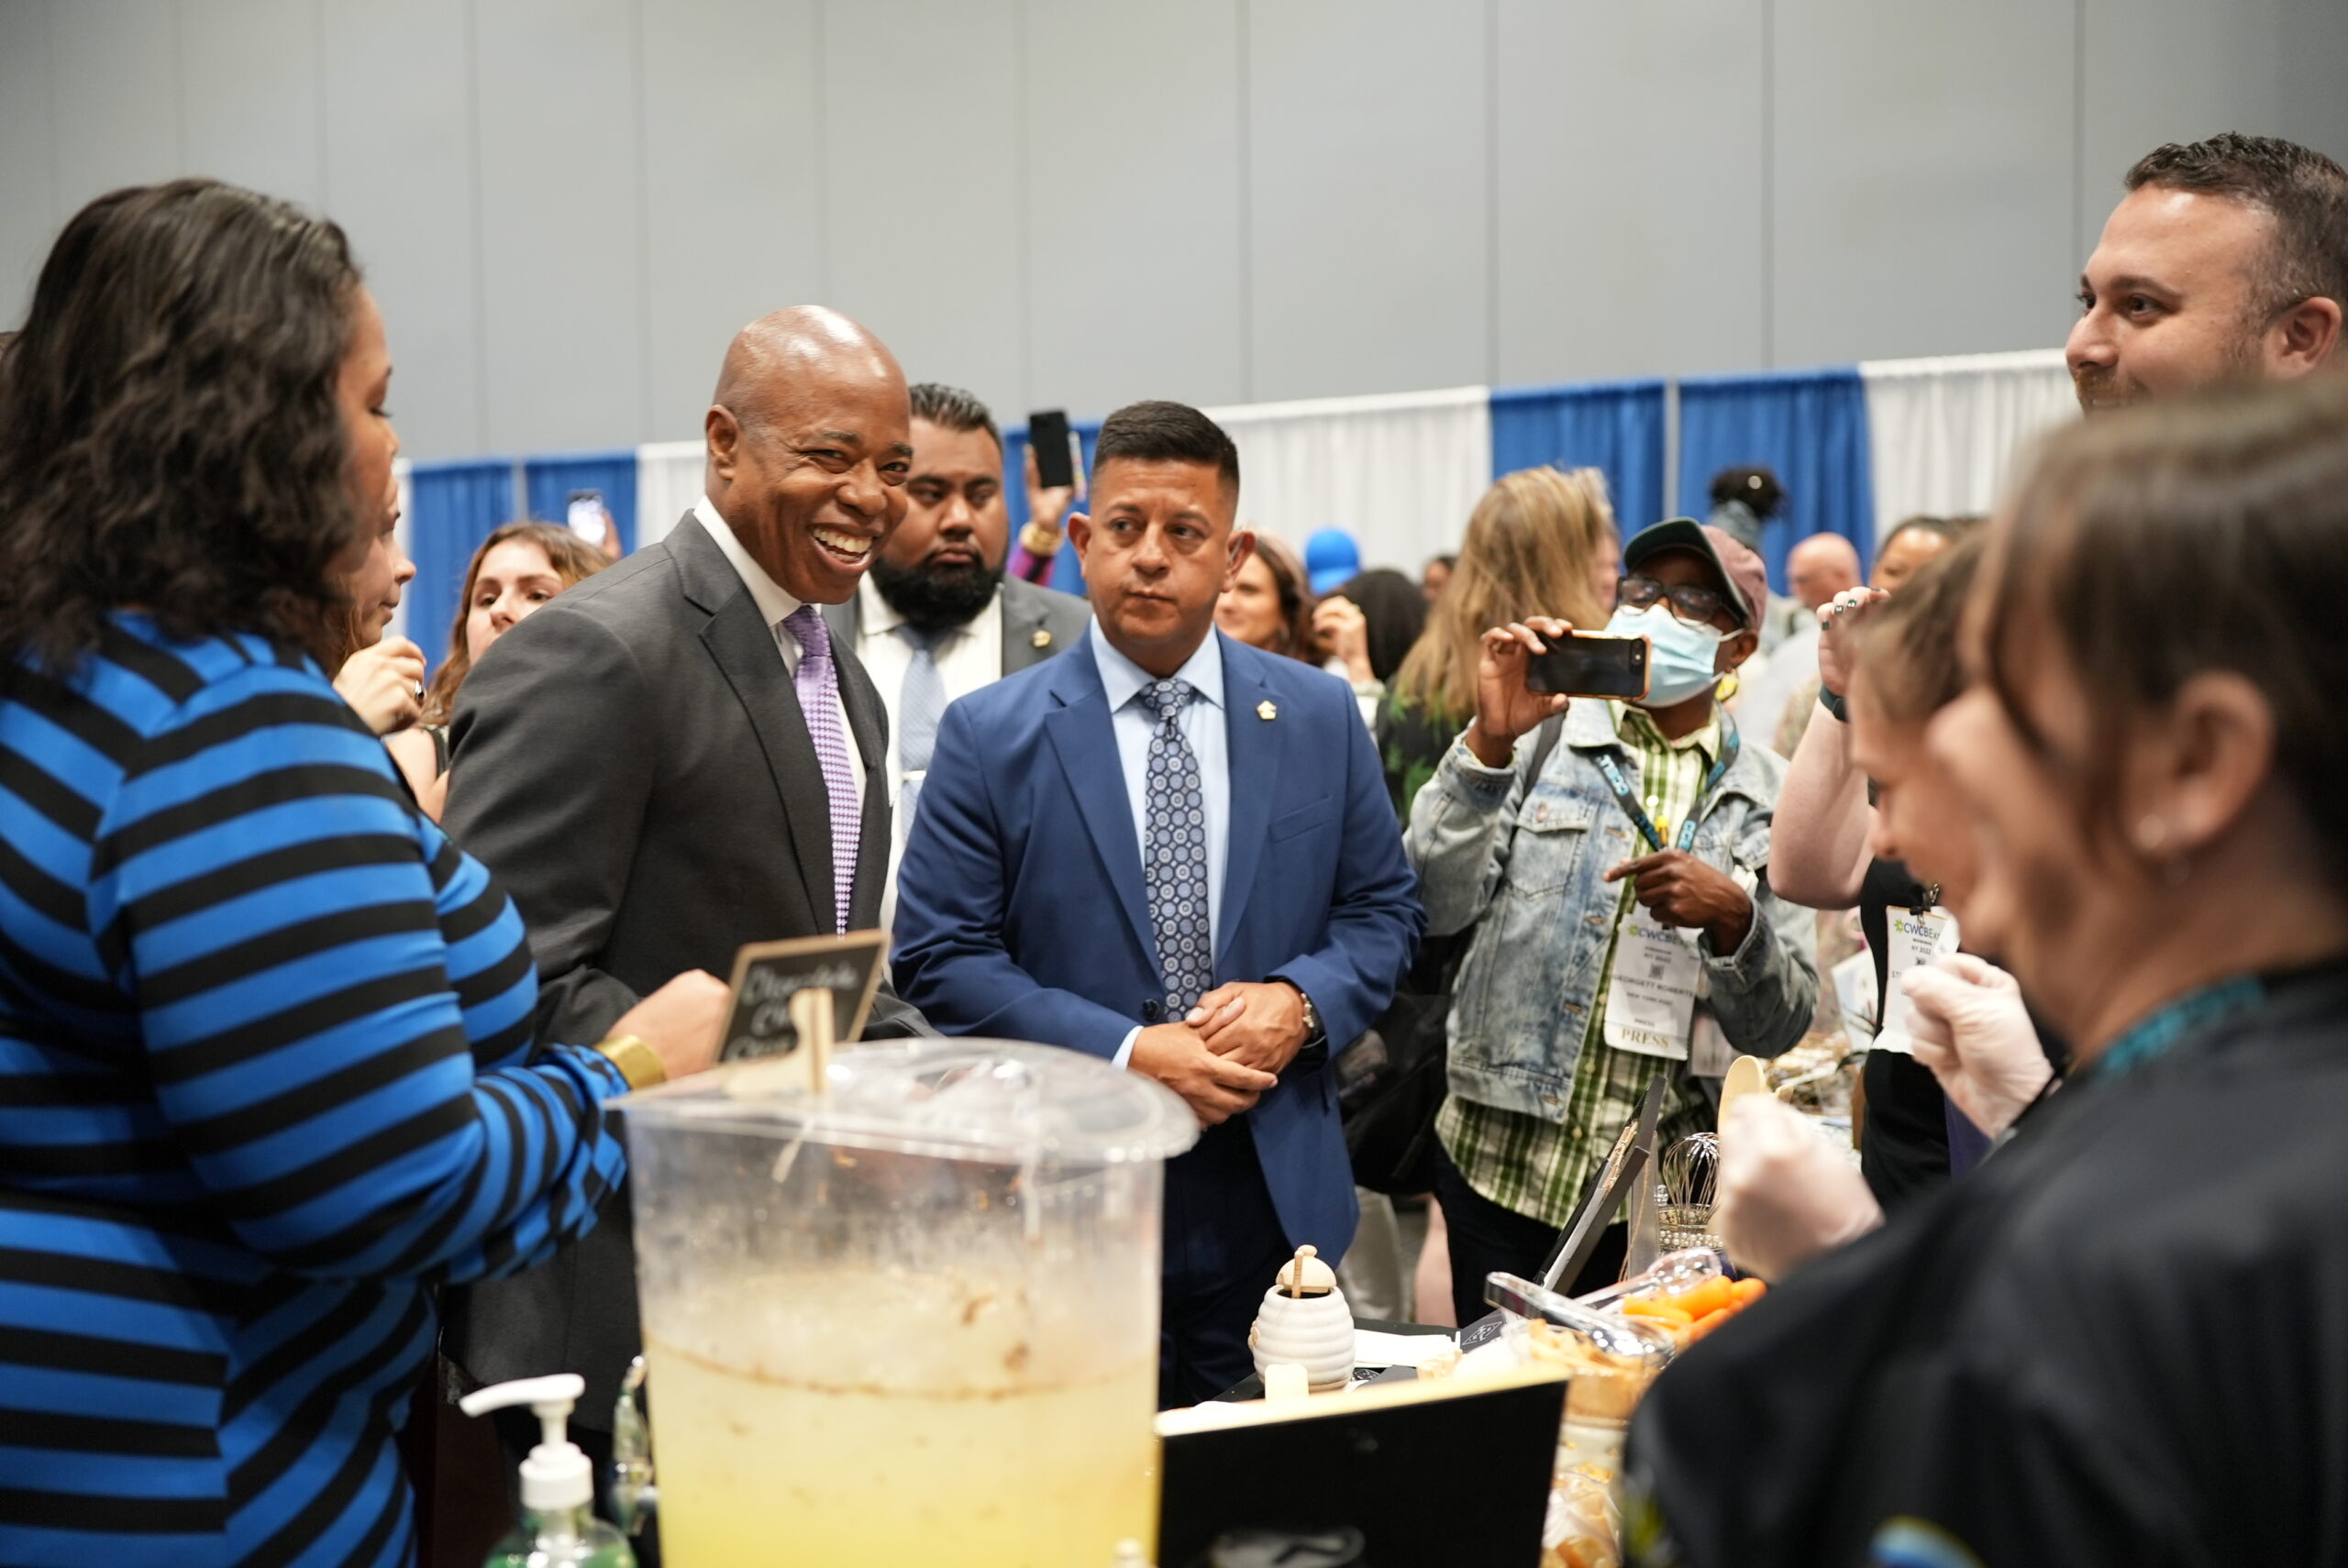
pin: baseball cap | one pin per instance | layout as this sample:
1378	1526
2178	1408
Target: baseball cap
1331	558
1738	566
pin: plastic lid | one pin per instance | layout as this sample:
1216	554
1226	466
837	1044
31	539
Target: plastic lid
949	1099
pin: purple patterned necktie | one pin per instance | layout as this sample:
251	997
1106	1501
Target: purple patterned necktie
818	684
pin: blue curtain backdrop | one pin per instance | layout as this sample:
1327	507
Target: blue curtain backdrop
1808	426
456	507
549	482
1066	575
1617	426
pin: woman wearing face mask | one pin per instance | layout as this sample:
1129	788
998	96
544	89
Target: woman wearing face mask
1612	868
518	567
2119	1342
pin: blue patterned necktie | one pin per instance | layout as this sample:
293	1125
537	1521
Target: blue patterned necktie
1174	857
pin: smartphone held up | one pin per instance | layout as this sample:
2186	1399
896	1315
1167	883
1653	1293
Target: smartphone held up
1589	664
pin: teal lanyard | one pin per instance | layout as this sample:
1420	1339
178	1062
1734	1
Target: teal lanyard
2149	1039
1628	798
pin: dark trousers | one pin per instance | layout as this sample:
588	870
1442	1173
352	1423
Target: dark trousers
1487	1239
1223	1247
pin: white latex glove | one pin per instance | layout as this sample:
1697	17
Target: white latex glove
1784	1194
1970	1028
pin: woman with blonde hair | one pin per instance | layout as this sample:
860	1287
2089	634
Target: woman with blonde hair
1541	542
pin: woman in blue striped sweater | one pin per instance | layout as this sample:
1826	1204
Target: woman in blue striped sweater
266	1074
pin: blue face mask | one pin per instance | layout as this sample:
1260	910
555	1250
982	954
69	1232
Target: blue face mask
1681	663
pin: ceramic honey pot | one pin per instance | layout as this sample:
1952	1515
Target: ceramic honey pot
1304	1319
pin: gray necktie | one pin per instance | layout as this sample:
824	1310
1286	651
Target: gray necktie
921	704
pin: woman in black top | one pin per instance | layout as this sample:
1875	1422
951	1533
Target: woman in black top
1832	852
2124	1340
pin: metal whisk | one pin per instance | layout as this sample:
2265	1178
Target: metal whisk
1690	1176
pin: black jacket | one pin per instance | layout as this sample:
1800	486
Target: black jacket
2122	1340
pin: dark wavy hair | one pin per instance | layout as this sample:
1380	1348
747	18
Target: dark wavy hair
169	432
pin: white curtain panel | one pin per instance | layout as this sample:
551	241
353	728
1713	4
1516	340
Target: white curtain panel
1399	473
668	482
1945	434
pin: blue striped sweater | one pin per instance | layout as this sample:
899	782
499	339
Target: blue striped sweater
265	1080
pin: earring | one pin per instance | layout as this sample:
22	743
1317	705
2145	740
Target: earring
1725	689
2151	833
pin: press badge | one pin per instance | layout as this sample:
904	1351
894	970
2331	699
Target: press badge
1913	939
1651	1005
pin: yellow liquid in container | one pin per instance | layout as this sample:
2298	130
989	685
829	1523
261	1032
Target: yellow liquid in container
959	1447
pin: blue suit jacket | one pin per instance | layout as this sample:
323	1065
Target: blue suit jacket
1021	911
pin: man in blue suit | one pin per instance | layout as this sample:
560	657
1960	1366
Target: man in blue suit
1176	853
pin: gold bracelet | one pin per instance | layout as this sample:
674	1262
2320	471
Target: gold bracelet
638	1062
1042	543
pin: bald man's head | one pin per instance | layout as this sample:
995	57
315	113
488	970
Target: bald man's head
809	440
1821	567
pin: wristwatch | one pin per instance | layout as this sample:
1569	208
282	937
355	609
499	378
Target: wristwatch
1832	702
638	1062
1315	1035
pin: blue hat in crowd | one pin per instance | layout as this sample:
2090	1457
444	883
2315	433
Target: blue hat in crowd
1331	558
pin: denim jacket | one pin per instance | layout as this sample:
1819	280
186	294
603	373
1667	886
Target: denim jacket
1522	863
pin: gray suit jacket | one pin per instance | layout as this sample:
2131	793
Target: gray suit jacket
1027	611
631	764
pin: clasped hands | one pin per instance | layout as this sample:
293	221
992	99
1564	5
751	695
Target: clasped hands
1228	1050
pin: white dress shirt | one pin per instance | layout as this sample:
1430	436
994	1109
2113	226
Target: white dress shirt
1202	725
967	658
774	604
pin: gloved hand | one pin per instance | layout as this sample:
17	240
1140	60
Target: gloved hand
1784	1194
1971	1030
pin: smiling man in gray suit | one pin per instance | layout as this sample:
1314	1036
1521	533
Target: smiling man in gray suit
936	619
675	758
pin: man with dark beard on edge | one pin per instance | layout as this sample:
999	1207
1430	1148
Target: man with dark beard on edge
935	618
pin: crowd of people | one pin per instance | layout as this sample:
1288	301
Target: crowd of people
315	975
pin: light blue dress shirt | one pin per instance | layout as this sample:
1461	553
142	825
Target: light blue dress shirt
1202	725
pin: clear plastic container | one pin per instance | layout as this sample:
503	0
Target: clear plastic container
911	1321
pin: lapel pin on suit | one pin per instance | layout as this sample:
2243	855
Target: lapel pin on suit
1042	639
1268	709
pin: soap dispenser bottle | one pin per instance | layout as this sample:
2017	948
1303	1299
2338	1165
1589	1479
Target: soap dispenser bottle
558	1528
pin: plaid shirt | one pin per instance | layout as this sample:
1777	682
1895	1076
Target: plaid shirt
1539	1168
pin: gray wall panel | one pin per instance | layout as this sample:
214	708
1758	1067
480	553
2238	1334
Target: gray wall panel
249	70
29	213
566	206
561	224
400	179
920	161
732	187
1368	217
1924	177
2315	57
115	77
1631	241
2235	85
1134	265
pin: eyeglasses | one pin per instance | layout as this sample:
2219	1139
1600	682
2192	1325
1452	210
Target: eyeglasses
1691	601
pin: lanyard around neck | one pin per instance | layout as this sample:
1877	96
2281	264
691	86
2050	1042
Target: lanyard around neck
1628	798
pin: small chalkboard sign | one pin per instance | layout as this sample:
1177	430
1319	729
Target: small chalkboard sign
767	974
